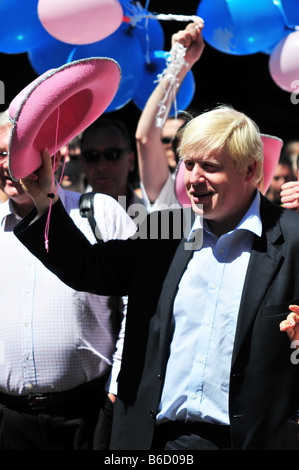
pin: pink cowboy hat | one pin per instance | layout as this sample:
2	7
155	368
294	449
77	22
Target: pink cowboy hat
271	148
56	107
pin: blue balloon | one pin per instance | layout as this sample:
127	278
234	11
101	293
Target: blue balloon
125	48
150	34
20	28
49	54
290	10
148	30
149	77
241	27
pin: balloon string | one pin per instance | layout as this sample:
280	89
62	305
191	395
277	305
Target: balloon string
47	228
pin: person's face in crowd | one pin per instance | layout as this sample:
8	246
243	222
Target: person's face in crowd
73	174
107	161
217	191
283	174
169	131
12	189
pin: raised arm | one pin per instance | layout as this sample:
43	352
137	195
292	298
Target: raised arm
152	162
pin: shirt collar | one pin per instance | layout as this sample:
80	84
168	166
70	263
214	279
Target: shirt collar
251	220
6	208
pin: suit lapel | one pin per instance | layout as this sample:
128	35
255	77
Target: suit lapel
264	260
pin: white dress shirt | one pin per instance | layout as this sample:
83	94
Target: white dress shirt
205	316
53	338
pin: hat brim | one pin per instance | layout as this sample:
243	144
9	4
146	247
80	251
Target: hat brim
271	149
56	107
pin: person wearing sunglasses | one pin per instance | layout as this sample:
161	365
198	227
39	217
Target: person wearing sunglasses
108	159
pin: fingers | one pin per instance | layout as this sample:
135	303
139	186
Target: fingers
290	195
291	321
294	308
191	34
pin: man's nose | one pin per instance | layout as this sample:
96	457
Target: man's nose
101	162
197	175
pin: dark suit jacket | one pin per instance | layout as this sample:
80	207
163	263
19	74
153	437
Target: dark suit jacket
263	397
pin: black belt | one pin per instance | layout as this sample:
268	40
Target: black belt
43	401
217	433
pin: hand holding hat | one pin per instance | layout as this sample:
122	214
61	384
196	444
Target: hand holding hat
38	185
56	107
48	113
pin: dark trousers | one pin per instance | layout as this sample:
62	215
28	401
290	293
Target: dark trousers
179	436
75	423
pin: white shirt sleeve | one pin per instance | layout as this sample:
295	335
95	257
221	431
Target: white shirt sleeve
111	218
166	198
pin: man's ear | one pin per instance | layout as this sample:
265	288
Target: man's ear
251	170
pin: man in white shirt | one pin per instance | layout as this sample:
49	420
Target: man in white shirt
56	344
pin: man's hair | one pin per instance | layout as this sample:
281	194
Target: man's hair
224	128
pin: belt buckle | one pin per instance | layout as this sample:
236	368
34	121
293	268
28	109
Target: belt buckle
37	402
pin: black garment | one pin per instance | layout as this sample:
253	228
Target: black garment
179	435
60	424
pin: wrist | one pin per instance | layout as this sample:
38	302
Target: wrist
42	204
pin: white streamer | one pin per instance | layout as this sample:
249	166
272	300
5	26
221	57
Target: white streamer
138	13
175	61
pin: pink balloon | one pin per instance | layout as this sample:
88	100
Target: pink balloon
284	62
80	21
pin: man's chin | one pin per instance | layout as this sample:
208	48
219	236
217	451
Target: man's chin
197	208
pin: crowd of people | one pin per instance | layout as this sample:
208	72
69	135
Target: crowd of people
112	340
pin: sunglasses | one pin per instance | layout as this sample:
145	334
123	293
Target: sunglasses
167	140
110	154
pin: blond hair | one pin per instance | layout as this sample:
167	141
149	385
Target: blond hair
224	128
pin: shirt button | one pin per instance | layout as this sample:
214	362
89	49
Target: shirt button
221	251
194	396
